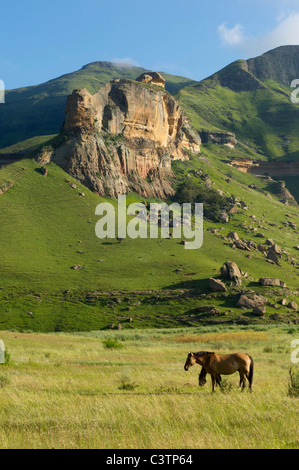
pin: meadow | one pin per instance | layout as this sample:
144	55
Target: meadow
128	389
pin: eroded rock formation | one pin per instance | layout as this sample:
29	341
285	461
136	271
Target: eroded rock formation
220	138
124	138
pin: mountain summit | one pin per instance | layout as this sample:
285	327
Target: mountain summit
280	64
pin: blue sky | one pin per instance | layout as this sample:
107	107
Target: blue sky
40	40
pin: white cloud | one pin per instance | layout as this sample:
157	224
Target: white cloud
125	61
286	32
231	36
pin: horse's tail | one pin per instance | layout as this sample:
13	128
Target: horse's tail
251	368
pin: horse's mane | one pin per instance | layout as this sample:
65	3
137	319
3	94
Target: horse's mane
200	353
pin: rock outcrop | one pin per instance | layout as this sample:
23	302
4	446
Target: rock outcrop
154	78
220	138
271	168
124	138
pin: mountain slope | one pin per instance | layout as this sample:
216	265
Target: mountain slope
47	228
256	108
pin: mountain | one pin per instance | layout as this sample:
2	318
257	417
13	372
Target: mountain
280	64
252	100
39	110
56	275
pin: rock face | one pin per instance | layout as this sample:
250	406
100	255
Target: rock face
280	64
220	138
260	168
124	138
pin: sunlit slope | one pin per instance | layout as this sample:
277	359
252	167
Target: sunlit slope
260	113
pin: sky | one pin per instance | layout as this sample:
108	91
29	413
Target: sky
41	40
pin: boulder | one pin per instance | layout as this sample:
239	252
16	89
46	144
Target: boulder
251	300
223	217
271	281
292	304
216	285
231	271
259	311
275	249
272	256
241	245
155	78
209	309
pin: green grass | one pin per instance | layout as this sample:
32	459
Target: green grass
28	145
69	391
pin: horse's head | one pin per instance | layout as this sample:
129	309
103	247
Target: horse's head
190	361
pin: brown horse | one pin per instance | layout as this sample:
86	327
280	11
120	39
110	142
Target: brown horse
225	364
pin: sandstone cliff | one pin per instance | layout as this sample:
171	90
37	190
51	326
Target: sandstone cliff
124	138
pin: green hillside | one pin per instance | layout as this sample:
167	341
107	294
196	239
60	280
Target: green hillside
47	228
260	113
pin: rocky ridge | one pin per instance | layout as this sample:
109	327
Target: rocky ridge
124	137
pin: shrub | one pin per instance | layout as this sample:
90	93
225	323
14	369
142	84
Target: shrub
127	383
226	386
4	380
112	344
192	192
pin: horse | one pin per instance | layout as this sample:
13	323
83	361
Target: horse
225	364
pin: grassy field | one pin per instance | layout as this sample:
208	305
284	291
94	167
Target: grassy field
128	389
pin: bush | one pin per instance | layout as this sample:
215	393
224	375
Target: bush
226	386
127	383
112	344
192	192
4	380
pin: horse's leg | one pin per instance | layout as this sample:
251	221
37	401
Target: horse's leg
242	380
218	380
202	377
213	383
